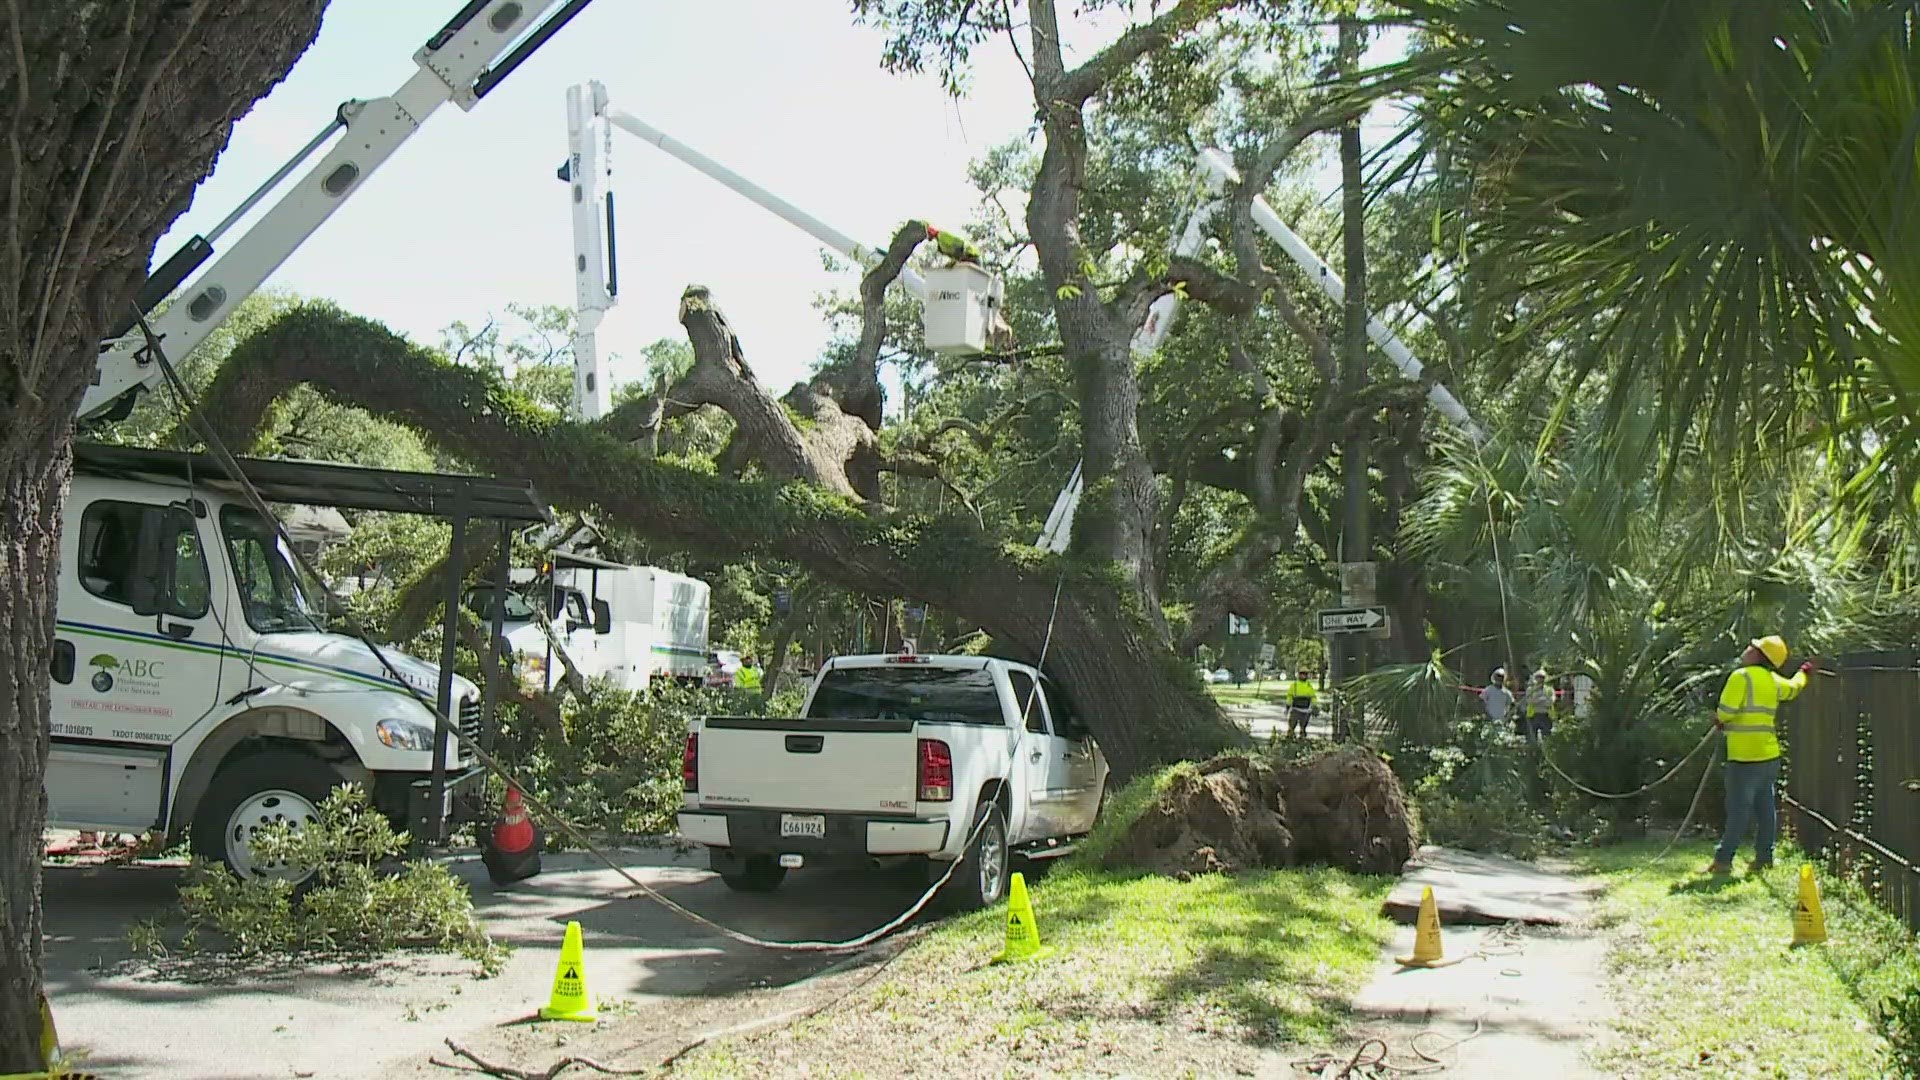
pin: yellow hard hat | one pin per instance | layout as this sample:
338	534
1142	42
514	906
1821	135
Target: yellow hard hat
1774	647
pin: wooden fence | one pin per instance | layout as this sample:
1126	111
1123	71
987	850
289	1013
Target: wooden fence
1853	772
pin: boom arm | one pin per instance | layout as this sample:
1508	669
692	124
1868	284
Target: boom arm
480	46
1220	172
590	123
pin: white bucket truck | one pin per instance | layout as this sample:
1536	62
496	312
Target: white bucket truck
631	625
191	684
195	689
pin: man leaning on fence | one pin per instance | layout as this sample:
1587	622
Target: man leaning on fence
1748	712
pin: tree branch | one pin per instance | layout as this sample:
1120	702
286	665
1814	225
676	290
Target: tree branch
861	393
1100	636
1092	77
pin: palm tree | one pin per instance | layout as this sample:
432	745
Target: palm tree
1567	555
1717	198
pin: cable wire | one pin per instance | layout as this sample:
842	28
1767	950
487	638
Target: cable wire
1643	788
198	421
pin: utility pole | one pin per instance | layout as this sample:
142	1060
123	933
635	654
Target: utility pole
1356	541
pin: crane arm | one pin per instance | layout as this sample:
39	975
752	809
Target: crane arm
591	120
462	62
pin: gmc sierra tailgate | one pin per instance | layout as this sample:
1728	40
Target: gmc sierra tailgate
835	766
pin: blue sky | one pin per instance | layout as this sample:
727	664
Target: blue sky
468	216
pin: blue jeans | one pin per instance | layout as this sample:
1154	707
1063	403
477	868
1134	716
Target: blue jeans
1750	803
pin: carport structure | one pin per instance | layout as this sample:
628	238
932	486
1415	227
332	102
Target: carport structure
461	500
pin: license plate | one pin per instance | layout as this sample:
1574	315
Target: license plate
803	825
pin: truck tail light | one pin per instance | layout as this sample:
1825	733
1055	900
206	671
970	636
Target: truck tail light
936	771
690	764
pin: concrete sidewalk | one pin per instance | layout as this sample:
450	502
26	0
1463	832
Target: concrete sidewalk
212	1020
1536	995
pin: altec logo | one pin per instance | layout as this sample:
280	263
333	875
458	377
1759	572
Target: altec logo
138	675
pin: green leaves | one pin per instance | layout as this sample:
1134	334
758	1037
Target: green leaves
1705	197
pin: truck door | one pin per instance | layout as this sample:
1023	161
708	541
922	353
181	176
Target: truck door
1036	762
575	625
1076	778
137	658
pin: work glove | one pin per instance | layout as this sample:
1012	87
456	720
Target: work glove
1809	668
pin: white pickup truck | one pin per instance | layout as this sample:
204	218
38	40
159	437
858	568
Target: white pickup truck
931	759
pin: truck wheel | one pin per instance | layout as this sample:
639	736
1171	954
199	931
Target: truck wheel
758	874
980	881
252	792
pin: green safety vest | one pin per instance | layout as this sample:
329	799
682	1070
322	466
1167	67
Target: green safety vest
747	678
1749	704
1301	689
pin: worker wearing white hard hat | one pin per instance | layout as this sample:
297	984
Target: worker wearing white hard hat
1496	698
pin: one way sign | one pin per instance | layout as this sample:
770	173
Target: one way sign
1357	620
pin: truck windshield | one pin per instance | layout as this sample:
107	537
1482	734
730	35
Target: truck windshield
515	609
270	593
923	694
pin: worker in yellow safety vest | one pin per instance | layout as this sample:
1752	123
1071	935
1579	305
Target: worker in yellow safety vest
1749	706
1300	697
748	677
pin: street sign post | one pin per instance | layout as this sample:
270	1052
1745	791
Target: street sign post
1353	620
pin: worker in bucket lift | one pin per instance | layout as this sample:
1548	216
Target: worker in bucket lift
954	246
1748	711
1300	697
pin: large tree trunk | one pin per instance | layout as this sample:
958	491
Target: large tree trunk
113	112
1139	699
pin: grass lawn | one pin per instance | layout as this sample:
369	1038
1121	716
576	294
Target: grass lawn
1708	986
1151	977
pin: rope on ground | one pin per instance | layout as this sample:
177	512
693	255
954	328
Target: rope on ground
198	421
1642	789
776	1022
1373	1058
1700	792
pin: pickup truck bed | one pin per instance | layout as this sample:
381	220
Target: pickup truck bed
963	759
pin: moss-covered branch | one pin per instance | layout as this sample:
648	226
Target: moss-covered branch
1139	698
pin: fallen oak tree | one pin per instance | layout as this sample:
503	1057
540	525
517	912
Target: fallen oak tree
1142	703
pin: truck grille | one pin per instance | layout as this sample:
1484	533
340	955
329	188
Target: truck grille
469	727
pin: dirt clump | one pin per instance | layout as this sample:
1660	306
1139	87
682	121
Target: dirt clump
1223	815
1346	809
1239	812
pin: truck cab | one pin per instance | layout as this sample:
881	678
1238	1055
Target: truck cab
195	687
631	625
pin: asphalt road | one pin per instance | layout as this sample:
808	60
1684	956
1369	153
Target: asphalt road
218	1021
1265	721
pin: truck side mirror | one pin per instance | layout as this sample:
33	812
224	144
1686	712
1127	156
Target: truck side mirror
152	563
602	617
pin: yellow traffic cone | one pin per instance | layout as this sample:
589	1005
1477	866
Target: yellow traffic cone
49	1038
570	1000
1809	922
1426	935
1023	931
58	1066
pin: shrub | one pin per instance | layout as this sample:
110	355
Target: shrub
1473	790
357	904
1899	1019
612	764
